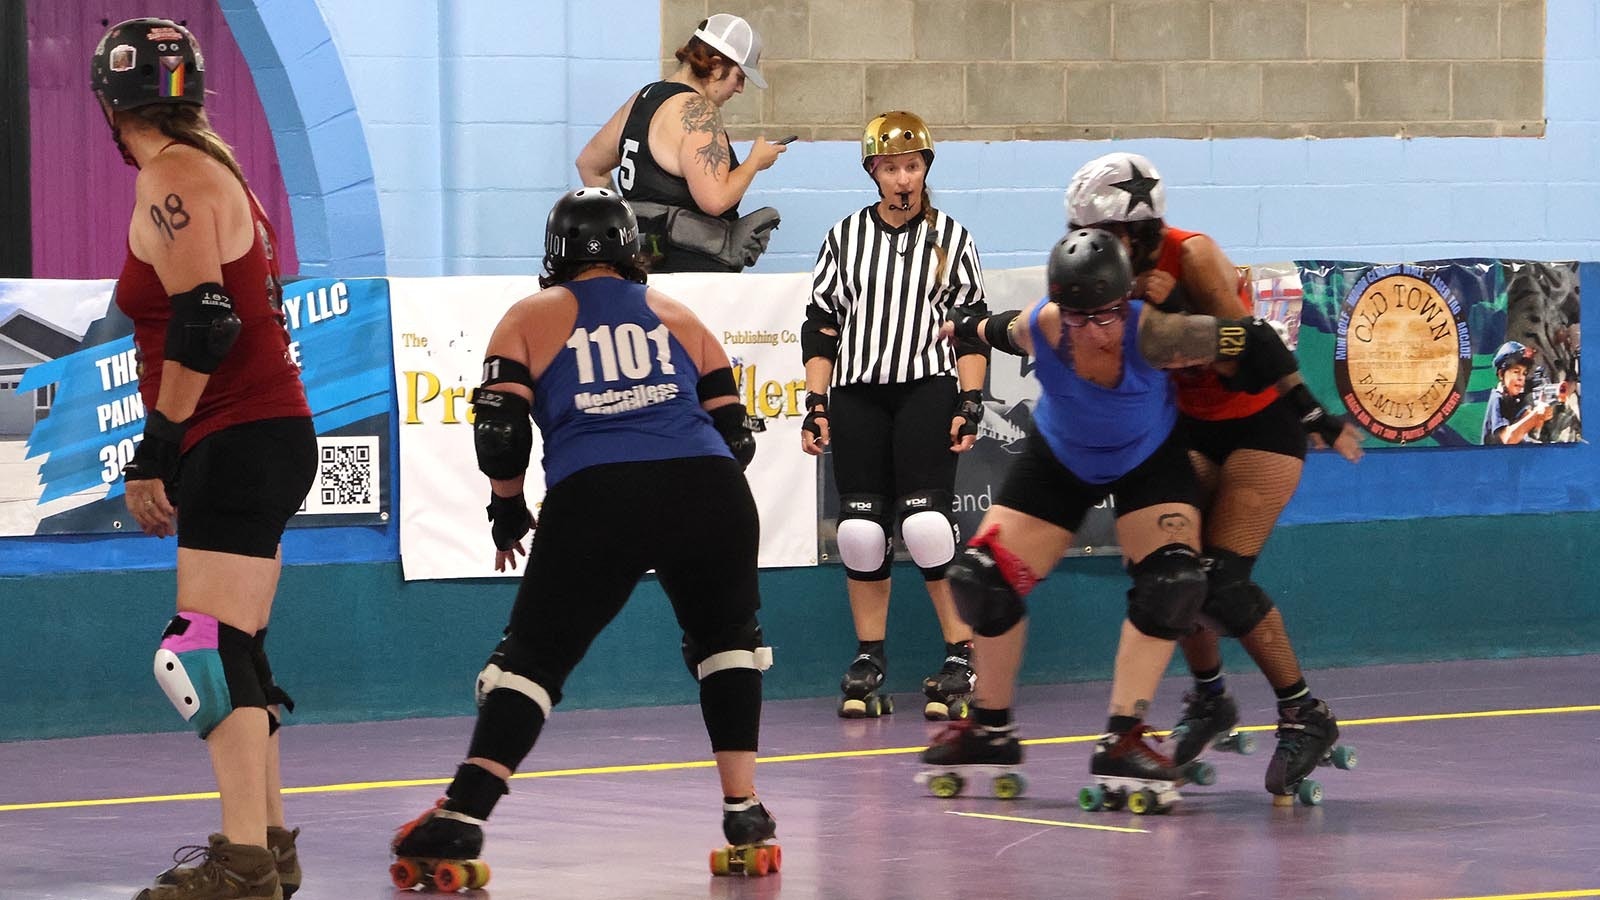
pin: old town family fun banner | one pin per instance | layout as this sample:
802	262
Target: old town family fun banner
71	415
1450	353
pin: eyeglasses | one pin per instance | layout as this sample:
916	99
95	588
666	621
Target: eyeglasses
1106	315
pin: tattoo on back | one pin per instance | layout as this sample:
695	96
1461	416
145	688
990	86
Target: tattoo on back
701	115
170	216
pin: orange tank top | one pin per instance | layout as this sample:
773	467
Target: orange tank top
1201	394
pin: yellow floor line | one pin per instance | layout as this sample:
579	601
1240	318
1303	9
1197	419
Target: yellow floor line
1547	895
706	763
1026	821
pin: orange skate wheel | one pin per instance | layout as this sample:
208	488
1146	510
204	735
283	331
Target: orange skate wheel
477	874
719	861
758	861
449	877
777	857
405	873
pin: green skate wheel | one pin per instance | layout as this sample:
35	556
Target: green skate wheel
1141	802
1091	798
1344	757
1238	742
1310	793
1009	786
945	786
477	874
1201	772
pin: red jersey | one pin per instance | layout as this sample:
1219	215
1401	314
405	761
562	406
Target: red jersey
256	380
1201	394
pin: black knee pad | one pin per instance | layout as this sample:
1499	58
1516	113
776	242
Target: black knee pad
1233	601
1169	587
276	696
207	669
512	704
863	536
928	529
731	647
988	583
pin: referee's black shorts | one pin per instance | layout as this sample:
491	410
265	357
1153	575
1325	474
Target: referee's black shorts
238	487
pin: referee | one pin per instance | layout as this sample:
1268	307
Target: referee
895	401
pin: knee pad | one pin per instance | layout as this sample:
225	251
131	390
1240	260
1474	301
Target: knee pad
1169	587
735	647
509	668
988	583
1233	601
928	530
207	669
728	664
863	540
276	696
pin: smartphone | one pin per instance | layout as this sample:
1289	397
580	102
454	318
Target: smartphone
785	140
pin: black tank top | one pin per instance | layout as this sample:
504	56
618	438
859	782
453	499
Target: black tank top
647	180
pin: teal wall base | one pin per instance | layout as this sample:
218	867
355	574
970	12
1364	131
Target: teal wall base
356	643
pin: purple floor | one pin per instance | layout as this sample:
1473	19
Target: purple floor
1449	807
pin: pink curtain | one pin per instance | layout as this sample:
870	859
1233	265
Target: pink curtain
82	192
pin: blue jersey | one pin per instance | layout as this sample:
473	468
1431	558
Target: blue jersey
1101	433
621	390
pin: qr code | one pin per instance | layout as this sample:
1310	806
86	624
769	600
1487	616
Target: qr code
348	472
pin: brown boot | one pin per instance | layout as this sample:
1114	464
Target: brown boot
281	842
227	871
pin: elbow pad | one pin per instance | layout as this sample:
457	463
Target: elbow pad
716	383
969	344
814	342
997	331
1255	345
202	328
502	435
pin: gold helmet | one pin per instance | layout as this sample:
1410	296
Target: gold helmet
895	132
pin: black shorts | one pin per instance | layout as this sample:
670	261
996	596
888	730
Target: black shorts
238	487
601	529
1040	486
1275	429
893	440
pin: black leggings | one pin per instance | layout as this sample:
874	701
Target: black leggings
893	439
601	529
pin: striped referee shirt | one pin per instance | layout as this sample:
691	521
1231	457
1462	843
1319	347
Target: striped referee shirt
881	287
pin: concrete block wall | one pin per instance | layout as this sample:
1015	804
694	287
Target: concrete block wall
1108	69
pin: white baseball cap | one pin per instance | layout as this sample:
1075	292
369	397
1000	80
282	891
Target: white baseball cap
733	37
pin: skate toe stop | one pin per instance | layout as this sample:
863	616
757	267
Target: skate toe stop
1282	800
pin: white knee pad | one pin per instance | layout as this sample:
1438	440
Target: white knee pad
930	537
862	544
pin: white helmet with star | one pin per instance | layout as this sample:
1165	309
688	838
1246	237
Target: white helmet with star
1117	187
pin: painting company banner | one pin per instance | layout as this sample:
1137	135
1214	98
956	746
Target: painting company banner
1409	352
71	415
441	326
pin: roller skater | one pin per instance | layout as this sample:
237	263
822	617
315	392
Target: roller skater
1208	723
966	750
861	683
1308	737
1129	771
439	850
749	829
949	690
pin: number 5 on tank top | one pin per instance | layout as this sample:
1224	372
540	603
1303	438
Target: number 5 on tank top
625	168
627	350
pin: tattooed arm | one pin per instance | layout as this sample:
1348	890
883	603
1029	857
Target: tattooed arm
1174	341
706	161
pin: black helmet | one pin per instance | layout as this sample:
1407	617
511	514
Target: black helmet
1089	269
591	225
142	62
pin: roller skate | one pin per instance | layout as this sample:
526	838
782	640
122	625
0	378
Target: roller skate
1308	737
280	841
439	850
750	830
965	750
227	871
1130	772
949	690
860	686
1207	723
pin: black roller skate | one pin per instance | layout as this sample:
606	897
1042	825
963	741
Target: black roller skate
439	850
860	686
1207	723
1308	736
949	690
750	830
1129	771
965	750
